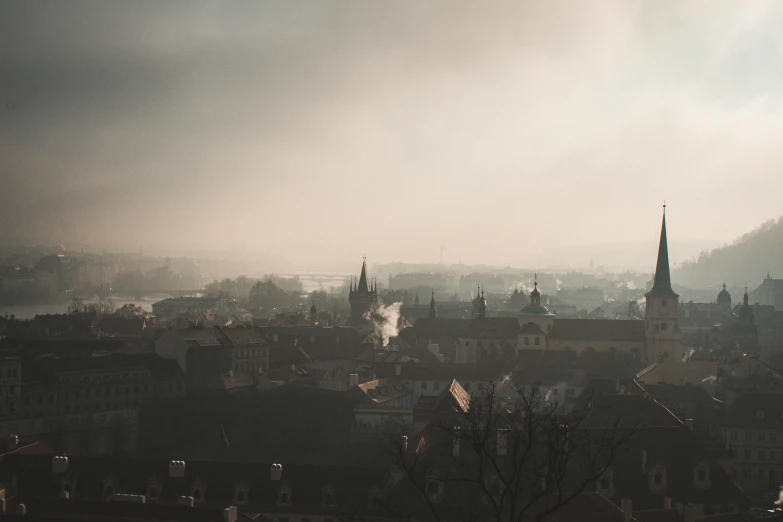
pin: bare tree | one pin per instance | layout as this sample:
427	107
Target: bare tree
519	460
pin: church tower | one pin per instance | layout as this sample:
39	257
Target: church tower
661	330
362	297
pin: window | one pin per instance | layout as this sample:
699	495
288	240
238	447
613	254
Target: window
240	496
733	435
747	436
538	341
283	498
197	494
657	479
663	303
153	492
436	385
761	436
423	385
527	341
329	501
773	437
701	475
433	488
746	473
664	326
747	454
761	455
772	455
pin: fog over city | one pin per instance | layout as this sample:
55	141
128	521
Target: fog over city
321	131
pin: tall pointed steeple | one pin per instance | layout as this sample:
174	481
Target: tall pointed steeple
363	287
662	282
433	310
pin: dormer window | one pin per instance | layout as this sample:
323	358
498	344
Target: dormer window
435	490
329	499
153	489
284	496
760	415
657	479
701	476
606	483
197	491
240	493
663	303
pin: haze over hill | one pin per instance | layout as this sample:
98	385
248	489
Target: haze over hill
745	261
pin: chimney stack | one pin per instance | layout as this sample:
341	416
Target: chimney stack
177	468
60	464
626	505
230	514
354	380
276	472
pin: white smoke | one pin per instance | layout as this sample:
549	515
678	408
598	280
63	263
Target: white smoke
558	284
687	356
389	319
630	285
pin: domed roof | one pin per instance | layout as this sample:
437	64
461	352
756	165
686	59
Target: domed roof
724	295
535	292
535	309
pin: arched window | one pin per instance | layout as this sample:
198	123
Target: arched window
196	494
240	496
538	341
527	341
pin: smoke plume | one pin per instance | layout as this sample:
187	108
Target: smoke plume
389	317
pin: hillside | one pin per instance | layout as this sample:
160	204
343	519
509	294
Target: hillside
745	261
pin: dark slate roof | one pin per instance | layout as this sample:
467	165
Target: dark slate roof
756	409
598	329
122	326
532	329
242	335
679	451
438	328
492	328
352	485
443	372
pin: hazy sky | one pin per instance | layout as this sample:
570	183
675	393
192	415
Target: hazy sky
326	130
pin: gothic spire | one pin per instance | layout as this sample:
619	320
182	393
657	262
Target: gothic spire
433	310
662	282
363	287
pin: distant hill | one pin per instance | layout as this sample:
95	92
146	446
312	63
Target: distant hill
746	260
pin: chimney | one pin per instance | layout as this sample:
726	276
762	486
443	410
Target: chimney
667	502
354	380
21	510
626	505
60	464
276	472
644	461
398	369
177	468
185	501
230	514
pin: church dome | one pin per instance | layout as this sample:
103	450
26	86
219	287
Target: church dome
535	292
724	295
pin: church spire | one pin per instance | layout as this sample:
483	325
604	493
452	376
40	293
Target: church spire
363	287
662	282
433	310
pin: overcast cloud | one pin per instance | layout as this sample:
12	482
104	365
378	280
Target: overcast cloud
325	130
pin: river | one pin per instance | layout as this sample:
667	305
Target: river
30	311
